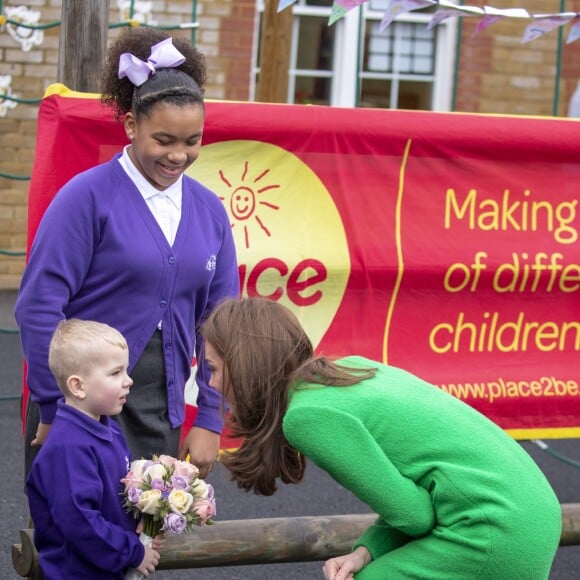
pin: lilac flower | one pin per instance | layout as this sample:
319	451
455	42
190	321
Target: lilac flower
157	484
174	524
179	482
134	493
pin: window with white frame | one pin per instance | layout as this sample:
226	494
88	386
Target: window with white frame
353	63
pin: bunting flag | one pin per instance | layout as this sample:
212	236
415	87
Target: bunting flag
341	7
545	23
284	4
395	9
442	243
540	25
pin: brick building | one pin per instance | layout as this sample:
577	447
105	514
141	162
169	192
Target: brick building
447	68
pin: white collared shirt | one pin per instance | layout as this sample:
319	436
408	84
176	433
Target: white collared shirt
164	205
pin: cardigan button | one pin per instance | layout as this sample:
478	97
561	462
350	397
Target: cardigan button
163	304
171	259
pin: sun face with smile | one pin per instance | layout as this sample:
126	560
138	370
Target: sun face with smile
244	200
242	203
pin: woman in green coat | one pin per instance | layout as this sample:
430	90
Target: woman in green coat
456	497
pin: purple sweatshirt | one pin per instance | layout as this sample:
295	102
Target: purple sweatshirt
99	254
81	529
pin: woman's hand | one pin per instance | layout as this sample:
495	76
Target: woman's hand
203	447
345	567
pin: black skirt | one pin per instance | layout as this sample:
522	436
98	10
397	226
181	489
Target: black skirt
145	417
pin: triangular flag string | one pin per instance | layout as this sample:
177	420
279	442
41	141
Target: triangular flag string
542	25
341	7
282	4
395	9
488	15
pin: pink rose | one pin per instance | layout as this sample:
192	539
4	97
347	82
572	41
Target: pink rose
204	509
167	460
131	480
186	469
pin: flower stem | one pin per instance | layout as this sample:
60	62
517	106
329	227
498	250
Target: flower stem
151	527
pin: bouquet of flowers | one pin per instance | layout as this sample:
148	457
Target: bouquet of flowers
168	496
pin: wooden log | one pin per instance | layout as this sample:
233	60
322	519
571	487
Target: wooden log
25	556
570	524
266	541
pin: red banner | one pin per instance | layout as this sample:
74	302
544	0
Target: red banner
442	243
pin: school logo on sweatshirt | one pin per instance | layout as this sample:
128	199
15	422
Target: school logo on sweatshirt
289	235
210	264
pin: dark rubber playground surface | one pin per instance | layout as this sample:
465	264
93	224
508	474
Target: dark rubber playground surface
318	495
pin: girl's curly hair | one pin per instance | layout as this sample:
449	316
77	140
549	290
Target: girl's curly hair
180	85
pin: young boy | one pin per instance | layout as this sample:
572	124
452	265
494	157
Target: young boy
81	529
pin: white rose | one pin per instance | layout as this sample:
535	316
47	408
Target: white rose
200	489
180	501
155	471
137	466
150	501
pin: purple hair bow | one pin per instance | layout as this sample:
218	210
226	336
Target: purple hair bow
163	55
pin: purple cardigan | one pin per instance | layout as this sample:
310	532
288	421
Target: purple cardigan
100	255
81	529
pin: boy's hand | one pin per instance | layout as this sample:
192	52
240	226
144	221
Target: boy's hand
158	540
149	562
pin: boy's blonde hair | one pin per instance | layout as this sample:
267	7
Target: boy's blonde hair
75	346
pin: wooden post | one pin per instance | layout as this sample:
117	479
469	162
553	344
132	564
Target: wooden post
276	36
83	44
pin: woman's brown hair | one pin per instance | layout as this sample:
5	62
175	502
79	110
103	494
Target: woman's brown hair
265	352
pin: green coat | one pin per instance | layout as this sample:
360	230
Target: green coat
457	498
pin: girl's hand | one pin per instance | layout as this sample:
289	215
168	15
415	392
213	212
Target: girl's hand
345	567
203	448
41	434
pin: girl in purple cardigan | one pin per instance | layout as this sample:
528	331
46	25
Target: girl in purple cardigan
137	244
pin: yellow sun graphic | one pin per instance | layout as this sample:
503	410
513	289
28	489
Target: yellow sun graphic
290	240
244	197
289	235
